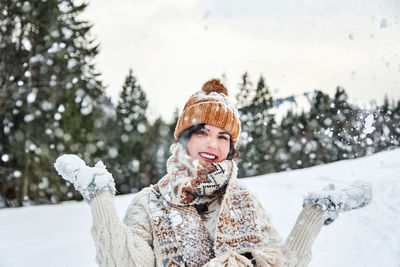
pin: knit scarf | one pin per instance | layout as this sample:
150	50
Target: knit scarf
178	228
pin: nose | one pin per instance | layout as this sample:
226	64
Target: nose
212	143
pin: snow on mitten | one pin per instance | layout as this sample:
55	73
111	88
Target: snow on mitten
89	181
334	200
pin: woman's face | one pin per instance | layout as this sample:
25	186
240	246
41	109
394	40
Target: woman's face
210	144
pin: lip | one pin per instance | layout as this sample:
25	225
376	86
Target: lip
207	159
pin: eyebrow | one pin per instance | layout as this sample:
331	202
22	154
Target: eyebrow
224	132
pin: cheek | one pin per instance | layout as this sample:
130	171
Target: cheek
224	148
193	145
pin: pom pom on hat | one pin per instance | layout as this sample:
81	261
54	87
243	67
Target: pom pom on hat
214	85
210	106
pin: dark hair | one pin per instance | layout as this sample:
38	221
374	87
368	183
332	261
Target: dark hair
185	135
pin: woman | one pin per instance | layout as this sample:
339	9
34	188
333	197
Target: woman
198	214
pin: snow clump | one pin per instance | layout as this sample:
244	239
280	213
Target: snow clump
89	181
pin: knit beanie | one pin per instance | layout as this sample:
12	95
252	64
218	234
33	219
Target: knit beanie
210	106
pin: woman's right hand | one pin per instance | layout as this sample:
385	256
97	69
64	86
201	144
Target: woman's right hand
89	181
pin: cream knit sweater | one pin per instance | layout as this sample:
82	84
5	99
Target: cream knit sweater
131	243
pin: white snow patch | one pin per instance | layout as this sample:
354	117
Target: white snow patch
26	44
32	96
176	218
5	157
72	63
61	108
29	117
57	116
67	32
368	128
54	48
141	128
113	152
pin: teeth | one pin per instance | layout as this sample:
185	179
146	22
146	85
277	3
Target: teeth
207	156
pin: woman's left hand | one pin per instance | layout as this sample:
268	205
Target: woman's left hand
334	200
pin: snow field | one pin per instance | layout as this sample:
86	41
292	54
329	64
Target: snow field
59	235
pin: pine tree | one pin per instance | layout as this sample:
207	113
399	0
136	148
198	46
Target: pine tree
258	127
385	133
162	136
291	152
319	130
244	95
127	155
50	95
396	124
343	125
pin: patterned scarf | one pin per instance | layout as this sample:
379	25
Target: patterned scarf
179	230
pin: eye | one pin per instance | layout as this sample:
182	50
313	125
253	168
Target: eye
224	137
201	132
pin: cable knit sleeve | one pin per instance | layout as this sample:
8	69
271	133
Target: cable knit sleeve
296	251
121	244
297	247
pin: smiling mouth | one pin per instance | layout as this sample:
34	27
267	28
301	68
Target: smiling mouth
208	157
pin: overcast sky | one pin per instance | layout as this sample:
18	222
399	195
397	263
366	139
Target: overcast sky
174	46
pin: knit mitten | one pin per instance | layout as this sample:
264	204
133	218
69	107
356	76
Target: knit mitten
334	200
229	259
89	181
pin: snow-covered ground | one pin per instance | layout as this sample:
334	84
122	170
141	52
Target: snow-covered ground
59	235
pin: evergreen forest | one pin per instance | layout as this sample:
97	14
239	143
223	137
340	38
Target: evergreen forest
53	102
